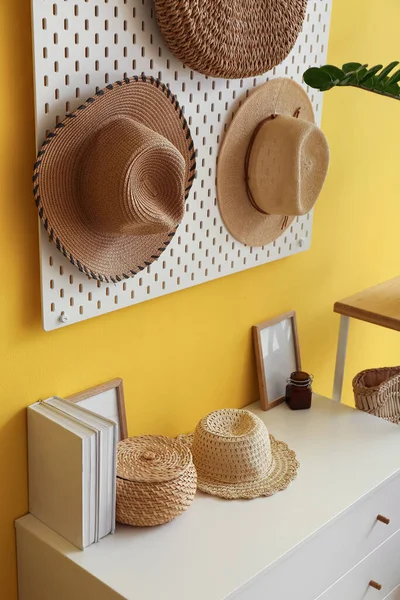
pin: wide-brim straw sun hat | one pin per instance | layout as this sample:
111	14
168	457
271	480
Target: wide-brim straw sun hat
272	163
110	182
235	456
230	39
156	480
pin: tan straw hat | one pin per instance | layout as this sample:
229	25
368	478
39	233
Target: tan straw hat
235	457
110	182
230	38
272	163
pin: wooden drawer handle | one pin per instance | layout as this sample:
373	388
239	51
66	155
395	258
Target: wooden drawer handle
375	585
383	519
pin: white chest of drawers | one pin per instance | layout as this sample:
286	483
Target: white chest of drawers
320	538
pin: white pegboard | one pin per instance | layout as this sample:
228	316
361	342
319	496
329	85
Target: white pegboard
81	46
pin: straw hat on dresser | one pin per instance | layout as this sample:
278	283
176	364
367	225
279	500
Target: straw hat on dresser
110	182
230	38
272	163
236	457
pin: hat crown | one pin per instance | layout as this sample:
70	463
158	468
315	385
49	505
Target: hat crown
288	164
131	179
232	446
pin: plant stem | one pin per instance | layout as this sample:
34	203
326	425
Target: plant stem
361	87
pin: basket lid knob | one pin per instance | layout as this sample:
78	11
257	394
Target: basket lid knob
149	455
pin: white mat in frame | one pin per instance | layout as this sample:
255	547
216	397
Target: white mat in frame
82	46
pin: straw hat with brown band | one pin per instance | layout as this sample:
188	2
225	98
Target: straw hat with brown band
110	182
236	457
272	163
230	38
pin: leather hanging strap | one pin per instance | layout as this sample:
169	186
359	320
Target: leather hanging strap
247	159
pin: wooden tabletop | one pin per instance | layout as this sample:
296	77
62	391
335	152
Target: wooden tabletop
379	305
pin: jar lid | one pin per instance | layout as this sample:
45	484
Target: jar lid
152	459
300	376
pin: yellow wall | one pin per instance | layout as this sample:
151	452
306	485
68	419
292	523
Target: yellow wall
191	352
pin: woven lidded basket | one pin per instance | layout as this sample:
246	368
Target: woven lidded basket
156	480
377	391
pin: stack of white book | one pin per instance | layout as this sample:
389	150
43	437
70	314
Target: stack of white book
72	470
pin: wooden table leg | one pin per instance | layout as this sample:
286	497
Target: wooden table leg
340	358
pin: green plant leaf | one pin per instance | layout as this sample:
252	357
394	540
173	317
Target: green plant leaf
346	81
334	72
375	79
326	87
368	84
387	70
350	67
316	78
394	78
393	89
372	71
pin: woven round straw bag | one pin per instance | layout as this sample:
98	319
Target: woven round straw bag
235	457
230	38
377	392
156	480
110	182
272	163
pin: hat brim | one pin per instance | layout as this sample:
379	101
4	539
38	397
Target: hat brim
283	470
243	221
105	256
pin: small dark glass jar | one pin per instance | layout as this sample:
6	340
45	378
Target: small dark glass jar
299	390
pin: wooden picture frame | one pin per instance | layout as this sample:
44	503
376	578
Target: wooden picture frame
279	337
106	399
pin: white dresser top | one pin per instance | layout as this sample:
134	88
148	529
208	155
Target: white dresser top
218	545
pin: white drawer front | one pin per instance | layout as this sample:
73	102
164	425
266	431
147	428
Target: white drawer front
312	567
381	567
